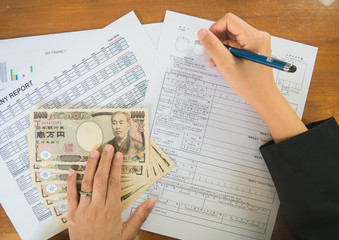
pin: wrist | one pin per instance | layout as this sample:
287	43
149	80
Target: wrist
279	117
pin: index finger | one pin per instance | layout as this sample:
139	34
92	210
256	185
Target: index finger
72	192
231	27
240	34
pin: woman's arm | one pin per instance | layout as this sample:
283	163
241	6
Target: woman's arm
304	164
251	81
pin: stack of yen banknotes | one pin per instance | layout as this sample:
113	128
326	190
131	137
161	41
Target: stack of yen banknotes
61	139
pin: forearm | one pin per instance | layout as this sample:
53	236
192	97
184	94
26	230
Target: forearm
279	117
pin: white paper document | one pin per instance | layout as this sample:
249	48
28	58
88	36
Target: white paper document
153	30
109	69
220	187
21	56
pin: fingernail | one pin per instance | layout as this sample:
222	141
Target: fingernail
70	172
201	34
151	204
118	155
108	148
93	154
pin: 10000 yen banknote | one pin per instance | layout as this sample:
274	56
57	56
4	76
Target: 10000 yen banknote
67	136
61	139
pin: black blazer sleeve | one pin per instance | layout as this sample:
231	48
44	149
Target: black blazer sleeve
305	171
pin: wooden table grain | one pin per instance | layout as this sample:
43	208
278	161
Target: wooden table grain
310	21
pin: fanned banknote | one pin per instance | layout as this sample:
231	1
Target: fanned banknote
60	139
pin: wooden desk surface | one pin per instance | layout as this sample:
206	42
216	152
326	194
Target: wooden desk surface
309	22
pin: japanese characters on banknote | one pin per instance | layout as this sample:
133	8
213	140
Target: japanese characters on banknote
60	139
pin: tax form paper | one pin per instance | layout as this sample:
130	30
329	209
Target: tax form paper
110	69
220	187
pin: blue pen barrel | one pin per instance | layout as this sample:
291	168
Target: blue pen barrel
268	61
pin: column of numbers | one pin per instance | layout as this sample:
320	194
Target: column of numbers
67	77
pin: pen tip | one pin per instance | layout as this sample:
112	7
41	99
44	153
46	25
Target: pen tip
292	69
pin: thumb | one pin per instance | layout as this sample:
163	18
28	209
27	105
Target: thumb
214	47
138	218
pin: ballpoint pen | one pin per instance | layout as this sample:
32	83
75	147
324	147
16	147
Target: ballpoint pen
258	58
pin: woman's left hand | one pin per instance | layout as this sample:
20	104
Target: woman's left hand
99	216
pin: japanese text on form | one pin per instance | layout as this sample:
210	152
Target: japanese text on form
220	187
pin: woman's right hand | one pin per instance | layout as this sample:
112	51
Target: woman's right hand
251	81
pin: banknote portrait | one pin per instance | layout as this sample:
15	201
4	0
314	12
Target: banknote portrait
128	134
